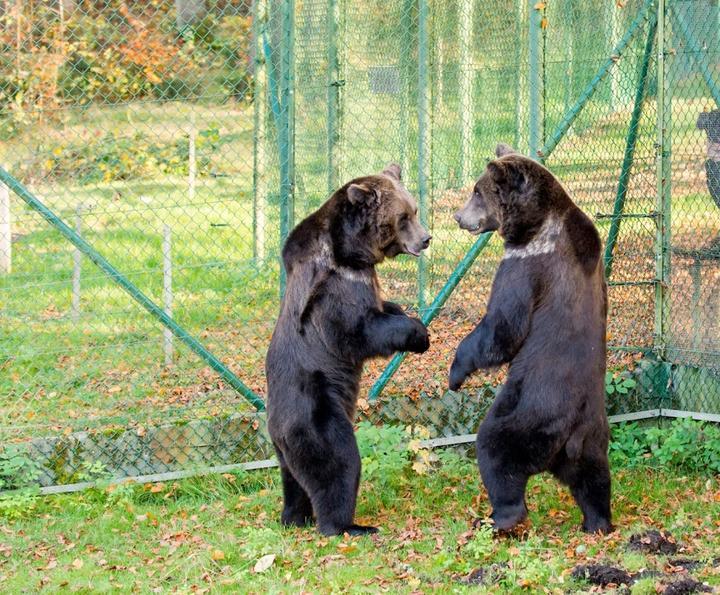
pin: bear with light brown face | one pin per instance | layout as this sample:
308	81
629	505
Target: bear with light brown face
332	319
546	318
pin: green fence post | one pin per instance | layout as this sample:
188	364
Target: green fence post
406	41
135	293
335	92
664	189
467	71
521	95
629	155
612	34
424	137
260	190
534	78
433	310
286	132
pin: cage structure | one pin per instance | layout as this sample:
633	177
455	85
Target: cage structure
155	156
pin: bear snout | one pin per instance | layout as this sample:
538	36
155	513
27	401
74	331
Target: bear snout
426	241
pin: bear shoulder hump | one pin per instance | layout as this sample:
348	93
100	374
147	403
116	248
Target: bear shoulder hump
584	239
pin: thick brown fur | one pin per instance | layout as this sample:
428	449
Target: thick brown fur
546	318
332	319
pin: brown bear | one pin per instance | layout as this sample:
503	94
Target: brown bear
546	317
332	319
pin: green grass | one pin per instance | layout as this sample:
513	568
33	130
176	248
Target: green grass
209	533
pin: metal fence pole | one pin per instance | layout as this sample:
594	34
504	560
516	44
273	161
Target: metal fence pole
335	91
612	34
260	191
5	230
663	179
521	94
406	26
424	139
287	127
467	71
630	144
534	78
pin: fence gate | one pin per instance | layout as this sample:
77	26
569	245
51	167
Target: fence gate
155	155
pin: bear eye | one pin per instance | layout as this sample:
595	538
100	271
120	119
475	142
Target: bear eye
403	218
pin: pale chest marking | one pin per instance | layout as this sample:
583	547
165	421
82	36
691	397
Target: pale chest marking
544	242
325	259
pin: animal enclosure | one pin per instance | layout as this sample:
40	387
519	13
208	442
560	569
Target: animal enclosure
154	156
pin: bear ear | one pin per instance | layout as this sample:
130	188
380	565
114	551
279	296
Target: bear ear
507	175
503	149
393	170
362	194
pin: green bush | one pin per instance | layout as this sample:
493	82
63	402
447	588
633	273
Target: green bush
114	157
685	445
18	482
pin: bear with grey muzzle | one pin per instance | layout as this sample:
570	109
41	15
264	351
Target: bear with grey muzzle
332	319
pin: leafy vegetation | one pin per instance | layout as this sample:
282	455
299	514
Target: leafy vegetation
684	445
221	533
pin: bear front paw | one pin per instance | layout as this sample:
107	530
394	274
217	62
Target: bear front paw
459	371
419	339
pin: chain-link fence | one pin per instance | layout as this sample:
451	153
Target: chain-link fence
156	154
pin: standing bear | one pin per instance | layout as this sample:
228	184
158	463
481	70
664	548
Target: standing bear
546	318
332	319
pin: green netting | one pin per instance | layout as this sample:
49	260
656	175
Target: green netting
182	139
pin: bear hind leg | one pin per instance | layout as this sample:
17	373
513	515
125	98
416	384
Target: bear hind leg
505	487
589	482
329	472
297	508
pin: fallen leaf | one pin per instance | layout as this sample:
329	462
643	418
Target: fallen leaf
220	555
264	563
77	563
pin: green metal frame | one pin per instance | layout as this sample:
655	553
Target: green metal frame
535	78
405	65
335	91
630	143
592	86
424	141
286	127
535	132
663	179
260	81
116	276
433	309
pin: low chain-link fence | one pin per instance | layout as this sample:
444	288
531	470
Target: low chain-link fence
155	154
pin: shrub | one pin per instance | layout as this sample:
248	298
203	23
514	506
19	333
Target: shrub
114	157
684	444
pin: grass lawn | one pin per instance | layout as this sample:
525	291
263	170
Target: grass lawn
215	534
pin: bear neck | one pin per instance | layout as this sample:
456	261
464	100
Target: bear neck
522	226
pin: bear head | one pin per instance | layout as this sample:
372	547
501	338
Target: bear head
378	218
514	196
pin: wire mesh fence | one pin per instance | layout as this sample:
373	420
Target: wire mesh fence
159	153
